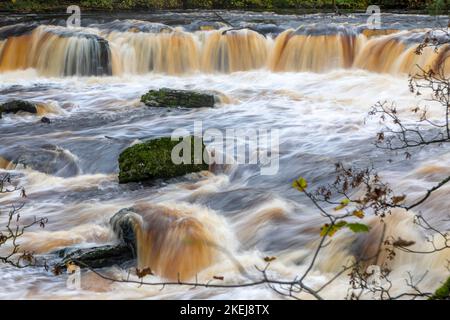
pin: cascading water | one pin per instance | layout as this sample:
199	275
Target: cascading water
55	51
58	51
175	242
314	83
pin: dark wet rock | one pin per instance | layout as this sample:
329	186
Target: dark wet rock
95	257
46	158
267	29
123	226
166	97
16	30
16	106
45	120
152	160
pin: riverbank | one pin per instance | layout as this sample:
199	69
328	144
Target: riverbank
278	6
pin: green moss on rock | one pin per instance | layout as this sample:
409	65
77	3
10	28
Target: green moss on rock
15	106
178	98
443	292
152	160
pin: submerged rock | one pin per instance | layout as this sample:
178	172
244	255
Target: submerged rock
15	106
152	160
178	98
47	158
45	120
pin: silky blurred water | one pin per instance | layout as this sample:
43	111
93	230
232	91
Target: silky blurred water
321	117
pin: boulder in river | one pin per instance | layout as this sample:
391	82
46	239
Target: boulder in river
153	159
15	106
95	257
122	224
178	98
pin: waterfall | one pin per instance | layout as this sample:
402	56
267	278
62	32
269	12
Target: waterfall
56	51
59	51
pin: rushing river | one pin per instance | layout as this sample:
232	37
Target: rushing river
313	77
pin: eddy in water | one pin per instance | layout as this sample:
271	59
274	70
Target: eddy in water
99	143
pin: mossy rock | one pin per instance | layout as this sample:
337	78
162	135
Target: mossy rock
443	292
152	160
15	106
178	98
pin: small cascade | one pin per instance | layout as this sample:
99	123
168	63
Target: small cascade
174	242
308	50
56	51
396	54
168	52
234	51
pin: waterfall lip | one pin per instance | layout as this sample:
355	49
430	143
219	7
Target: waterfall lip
267	29
64	32
410	36
322	29
415	36
132	25
201	25
16	30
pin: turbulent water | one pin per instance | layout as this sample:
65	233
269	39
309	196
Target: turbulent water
311	77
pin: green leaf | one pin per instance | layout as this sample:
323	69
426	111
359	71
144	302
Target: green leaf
358	227
341	224
330	230
325	230
300	184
